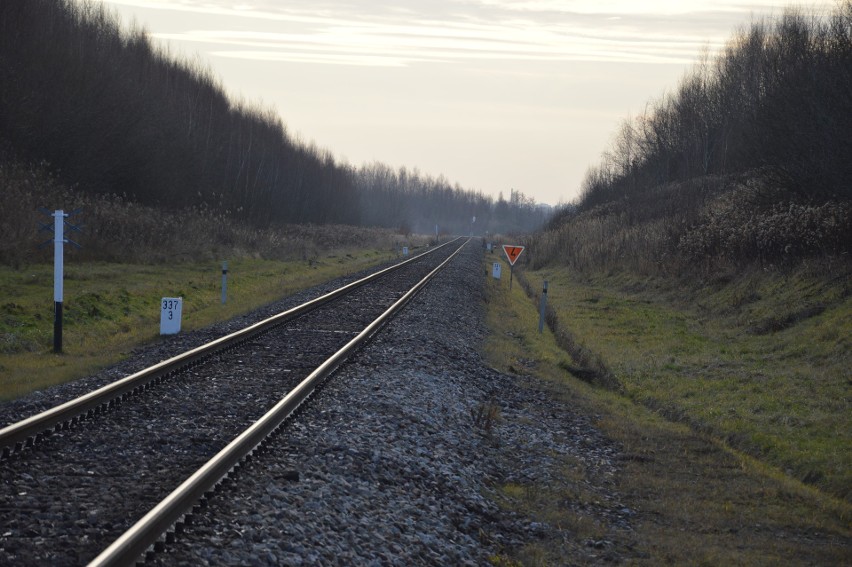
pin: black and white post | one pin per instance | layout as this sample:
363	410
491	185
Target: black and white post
59	241
58	276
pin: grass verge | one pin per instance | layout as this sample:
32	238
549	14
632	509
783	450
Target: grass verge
109	308
698	501
761	361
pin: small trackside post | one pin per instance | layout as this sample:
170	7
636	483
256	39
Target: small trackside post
542	308
224	282
59	240
58	276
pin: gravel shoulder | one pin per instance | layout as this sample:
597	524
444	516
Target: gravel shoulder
394	461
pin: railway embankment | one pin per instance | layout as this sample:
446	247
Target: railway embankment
457	436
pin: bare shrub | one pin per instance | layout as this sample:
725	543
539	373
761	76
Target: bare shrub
485	416
118	230
755	223
746	161
700	226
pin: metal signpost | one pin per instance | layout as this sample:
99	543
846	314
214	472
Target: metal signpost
512	253
59	240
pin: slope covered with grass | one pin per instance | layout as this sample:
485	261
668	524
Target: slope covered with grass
760	361
699	498
705	271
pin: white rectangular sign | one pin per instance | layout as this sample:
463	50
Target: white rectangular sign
170	312
405	250
495	271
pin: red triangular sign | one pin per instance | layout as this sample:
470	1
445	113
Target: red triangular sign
512	252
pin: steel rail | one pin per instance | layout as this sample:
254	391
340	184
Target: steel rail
29	430
134	542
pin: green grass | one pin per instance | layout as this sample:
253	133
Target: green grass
109	309
699	501
762	361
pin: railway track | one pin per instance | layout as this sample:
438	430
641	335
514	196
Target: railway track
195	418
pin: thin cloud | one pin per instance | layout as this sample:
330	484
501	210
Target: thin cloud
397	38
632	7
618	31
406	45
315	58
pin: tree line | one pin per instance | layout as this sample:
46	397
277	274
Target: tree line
114	114
778	97
747	161
423	202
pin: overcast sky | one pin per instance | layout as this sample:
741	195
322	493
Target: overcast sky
493	94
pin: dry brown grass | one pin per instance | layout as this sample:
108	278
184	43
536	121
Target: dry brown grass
117	230
131	256
699	228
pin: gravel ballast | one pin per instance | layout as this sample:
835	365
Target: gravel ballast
395	461
388	465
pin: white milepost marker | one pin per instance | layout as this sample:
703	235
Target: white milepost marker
171	309
58	276
495	270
